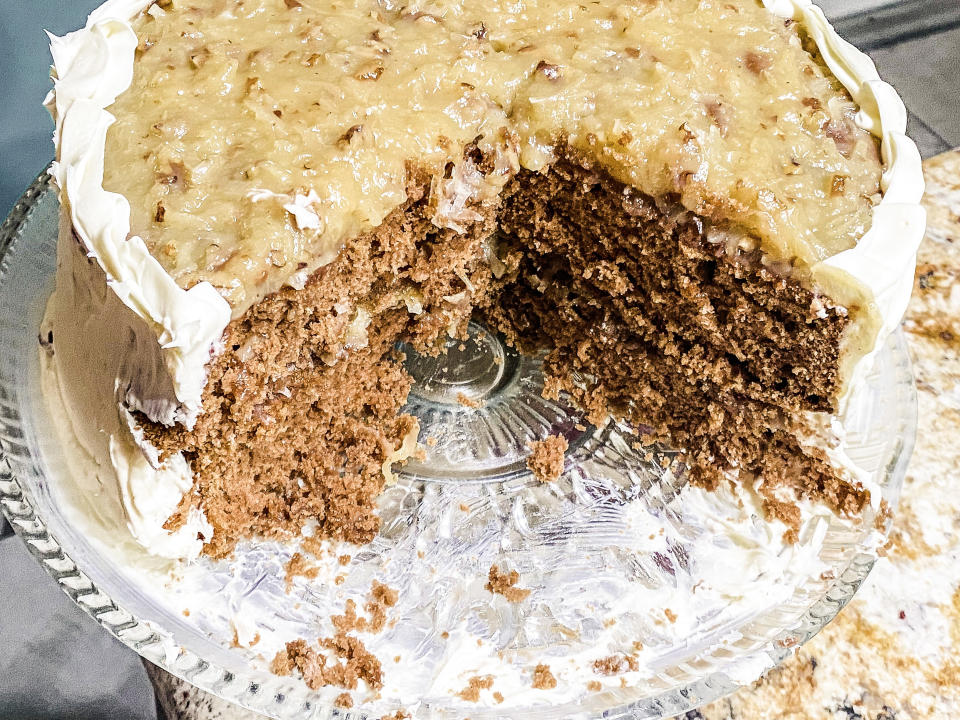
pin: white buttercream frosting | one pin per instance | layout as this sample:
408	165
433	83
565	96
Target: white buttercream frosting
127	336
107	360
92	67
159	367
877	274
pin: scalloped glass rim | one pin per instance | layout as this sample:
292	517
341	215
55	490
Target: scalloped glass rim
20	465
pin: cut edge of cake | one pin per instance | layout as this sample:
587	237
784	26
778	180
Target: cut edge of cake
157	338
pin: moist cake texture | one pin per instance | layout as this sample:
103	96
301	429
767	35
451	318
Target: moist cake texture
653	197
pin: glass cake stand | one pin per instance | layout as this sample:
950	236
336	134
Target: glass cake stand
621	556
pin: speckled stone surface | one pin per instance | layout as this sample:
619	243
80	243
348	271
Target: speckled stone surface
892	654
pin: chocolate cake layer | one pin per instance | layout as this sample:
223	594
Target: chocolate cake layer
642	311
645	317
681	286
300	418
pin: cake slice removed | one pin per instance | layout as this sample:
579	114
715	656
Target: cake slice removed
702	215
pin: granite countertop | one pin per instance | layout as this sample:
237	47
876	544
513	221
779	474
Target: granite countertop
890	654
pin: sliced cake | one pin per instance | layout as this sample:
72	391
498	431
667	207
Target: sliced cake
703	215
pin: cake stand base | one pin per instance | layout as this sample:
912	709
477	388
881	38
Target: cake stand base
179	700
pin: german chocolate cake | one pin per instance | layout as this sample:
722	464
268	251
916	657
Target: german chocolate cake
702	215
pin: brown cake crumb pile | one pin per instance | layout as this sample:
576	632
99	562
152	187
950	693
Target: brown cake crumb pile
299	566
357	663
546	458
787	513
468	401
471	693
615	665
502	583
543	679
320	670
398	715
639	312
344	700
380	598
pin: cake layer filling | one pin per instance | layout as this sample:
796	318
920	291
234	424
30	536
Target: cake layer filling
642	314
259	135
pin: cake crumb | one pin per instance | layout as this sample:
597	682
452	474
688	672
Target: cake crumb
543	679
282	664
464	507
471	693
594	686
348	621
344	559
298	566
498	697
787	513
445	635
671	615
339	580
502	583
546	458
432	441
615	665
380	598
186	612
398	715
318	670
344	700
884	516
469	402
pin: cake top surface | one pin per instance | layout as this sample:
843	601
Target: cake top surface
260	135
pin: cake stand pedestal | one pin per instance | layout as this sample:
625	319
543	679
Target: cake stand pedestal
888	654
